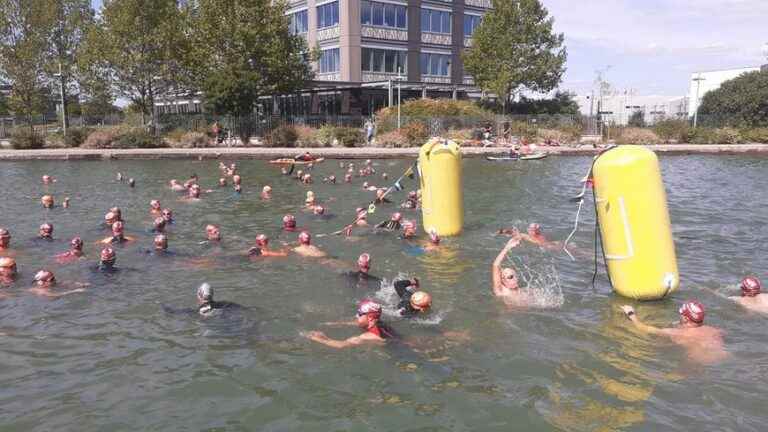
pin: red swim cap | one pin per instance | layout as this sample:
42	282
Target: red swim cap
76	243
118	227
693	310
262	240
44	276
412	194
46	227
4	233
750	286
396	217
433	237
289	221
108	254
369	307
409	225
305	238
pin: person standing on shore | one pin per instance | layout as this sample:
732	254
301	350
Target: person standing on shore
370	128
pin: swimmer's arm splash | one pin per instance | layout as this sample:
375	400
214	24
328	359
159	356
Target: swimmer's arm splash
629	311
496	266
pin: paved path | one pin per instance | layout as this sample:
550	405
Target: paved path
339	153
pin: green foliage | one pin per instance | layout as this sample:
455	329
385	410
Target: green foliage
705	135
243	50
76	136
282	136
329	135
393	139
740	102
451	112
562	103
416	133
637	119
672	130
102	138
136	138
636	135
526	130
757	135
308	137
515	48
188	140
24	138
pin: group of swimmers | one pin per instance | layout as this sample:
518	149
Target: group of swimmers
703	343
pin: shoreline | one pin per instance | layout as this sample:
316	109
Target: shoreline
261	153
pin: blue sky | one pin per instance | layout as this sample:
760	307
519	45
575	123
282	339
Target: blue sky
653	46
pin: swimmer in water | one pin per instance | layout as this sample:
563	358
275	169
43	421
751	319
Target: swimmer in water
306	248
118	234
319	211
348	178
362	217
206	306
368	319
155	208
109	219
412	202
362	279
176	186
331	179
311	201
703	343
433	243
266	192
158	225
306	157
131	183
289	223
393	224
409	230
751	297
413	302
212	233
369	188
45	281
74	253
236	179
222	182
160	243
285	171
65	203
237	188
381	197
118	214
48	179
47	201
194	192
262	248
107	259
167	215
5	240
8	271
504	280
45	232
307	179
299	175
535	236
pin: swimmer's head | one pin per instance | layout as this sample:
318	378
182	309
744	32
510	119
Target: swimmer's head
318	210
368	162
159	224
409	228
332	179
299	174
289	222
161	242
266	190
384	176
5	238
364	263
204	293
307	178
534	229
368	312
194	191
348	178
412	195
396	217
434	237
44	277
47	201
107	257
421	301
131	182
46	179
110	218
305	238
222	182
236	179
76	244
118	228
46	230
167	215
154	205
750	286
212	232
7	266
693	312
117	212
380	193
365	185
362	213
509	278
262	240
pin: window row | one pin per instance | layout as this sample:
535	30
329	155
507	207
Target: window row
470	24
298	23
383	14
384	61
329	60
435	21
328	15
435	64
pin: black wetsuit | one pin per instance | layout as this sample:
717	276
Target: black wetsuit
384	331
405	290
360	280
390	225
213	308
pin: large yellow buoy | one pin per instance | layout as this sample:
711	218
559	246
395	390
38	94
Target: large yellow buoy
442	199
634	223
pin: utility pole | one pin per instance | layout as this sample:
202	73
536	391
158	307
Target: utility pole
63	101
698	81
399	80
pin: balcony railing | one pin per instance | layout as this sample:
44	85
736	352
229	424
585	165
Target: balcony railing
384	33
436	38
328	33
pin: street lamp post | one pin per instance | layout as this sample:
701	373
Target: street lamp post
60	75
698	81
400	78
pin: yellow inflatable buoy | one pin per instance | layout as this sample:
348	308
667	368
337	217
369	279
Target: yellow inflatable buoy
634	223
442	199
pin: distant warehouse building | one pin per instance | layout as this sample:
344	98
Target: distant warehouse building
618	107
704	82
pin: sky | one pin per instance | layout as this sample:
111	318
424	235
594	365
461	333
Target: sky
653	46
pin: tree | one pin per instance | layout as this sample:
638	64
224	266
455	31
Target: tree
243	50
514	48
740	102
562	103
637	119
136	46
23	35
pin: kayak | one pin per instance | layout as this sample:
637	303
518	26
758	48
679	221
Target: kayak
291	161
535	156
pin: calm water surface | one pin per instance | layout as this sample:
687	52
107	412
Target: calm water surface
113	359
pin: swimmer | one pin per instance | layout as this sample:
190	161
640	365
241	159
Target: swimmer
48	179
160	243
167	215
194	192
381	197
393	224
299	175
47	201
65	203
176	186
238	188
369	319
535	236
154	207
118	234
120	177
262	248
362	217
131	183
285	171
409	229
118	214
236	179
751	297
330	179
44	283
306	248
158	225
318	210
75	251
367	187
307	179
306	157
348	178
384	176
222	182
5	240
310	201
266	192
212	233
703	344
434	241
109	219
107	259
412	301
412	202
505	283
45	232
289	223
206	306
361	278
8	271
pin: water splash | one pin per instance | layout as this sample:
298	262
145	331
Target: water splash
389	301
541	283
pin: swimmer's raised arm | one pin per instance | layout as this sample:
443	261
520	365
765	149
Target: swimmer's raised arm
496	266
629	311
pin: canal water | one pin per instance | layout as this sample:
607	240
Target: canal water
117	357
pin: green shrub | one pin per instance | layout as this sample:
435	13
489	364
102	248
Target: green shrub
632	135
175	135
349	136
76	136
523	129
101	138
325	135
453	113
460	135
191	140
136	138
757	135
393	139
282	136
416	133
22	138
308	137
671	130
714	136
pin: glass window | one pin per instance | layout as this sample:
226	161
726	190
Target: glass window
425	20
298	22
471	22
329	60
402	17
435	64
389	15
389	61
401	61
378	14
365	12
424	63
365	60
383	61
445	20
435	21
328	15
378	60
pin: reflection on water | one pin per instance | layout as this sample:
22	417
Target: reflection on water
113	358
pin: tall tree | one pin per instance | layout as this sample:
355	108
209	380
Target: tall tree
136	46
740	102
515	48
70	19
243	50
24	26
